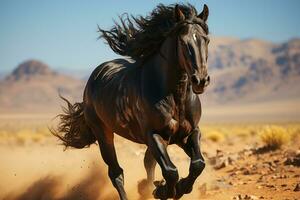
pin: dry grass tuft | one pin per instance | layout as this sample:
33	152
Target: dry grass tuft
214	136
273	136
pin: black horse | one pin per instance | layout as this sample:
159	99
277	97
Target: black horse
151	98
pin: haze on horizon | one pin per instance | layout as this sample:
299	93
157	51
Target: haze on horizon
64	34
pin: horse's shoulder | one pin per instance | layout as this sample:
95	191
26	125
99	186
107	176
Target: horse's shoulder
193	109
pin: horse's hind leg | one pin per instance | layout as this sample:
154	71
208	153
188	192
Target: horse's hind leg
149	163
145	186
169	171
107	148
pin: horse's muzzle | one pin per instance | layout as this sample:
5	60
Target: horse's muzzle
198	85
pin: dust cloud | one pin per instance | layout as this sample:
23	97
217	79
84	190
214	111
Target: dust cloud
91	187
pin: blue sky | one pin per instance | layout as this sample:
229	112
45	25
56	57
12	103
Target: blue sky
63	33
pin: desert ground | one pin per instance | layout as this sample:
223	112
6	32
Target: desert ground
244	161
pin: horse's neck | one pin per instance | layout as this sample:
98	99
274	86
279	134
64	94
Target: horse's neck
168	64
175	77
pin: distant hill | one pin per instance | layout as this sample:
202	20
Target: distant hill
253	70
249	78
34	87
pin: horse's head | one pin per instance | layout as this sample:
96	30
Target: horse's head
192	46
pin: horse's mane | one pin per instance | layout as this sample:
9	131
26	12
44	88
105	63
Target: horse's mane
139	37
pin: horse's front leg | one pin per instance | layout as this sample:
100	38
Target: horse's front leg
197	164
158	149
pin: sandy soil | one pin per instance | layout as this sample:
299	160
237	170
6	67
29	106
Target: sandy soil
38	171
236	169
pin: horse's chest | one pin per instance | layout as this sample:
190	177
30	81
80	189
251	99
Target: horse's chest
177	131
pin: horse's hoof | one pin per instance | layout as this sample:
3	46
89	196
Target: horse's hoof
160	192
182	188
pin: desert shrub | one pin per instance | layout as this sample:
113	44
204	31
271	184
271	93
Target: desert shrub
253	132
37	138
273	136
243	134
26	135
214	136
294	130
43	131
20	139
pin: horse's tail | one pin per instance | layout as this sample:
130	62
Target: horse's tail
72	129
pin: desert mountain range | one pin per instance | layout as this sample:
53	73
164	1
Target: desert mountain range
253	70
34	87
243	72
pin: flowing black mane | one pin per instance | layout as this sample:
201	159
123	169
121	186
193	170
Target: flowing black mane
139	37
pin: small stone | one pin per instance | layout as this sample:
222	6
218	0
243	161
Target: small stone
219	152
233	174
231	160
220	165
215	187
298	153
246	172
240	183
270	186
212	160
247	197
273	169
263	173
252	197
283	176
297	188
293	161
203	189
288	161
220	180
274	177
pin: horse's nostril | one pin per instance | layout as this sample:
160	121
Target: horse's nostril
208	78
195	79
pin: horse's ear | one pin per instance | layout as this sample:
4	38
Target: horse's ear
204	14
179	16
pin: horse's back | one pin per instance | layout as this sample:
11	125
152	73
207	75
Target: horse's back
113	92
